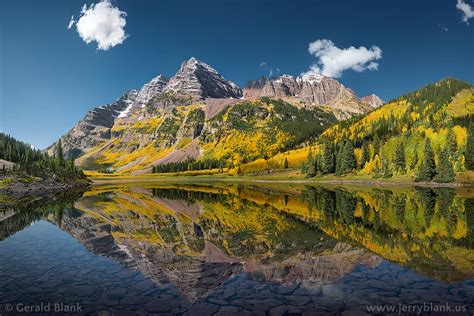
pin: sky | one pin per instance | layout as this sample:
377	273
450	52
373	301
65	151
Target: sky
59	59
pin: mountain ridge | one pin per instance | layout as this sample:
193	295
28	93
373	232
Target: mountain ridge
158	105
394	140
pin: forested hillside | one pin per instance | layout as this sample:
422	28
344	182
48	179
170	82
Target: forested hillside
186	138
424	135
21	158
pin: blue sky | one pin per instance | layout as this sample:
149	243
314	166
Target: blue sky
49	77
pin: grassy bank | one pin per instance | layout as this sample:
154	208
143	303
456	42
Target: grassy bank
280	176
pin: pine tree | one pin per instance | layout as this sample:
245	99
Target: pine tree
428	167
386	172
469	153
59	152
328	159
348	160
376	145
339	161
319	165
399	160
451	143
310	165
365	154
285	164
415	160
445	167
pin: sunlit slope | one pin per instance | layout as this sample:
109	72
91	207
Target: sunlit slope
433	112
240	133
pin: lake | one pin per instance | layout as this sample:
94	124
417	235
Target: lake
241	249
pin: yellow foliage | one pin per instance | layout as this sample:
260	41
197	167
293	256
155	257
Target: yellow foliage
462	104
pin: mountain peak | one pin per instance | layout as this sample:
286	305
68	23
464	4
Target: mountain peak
312	78
199	80
373	100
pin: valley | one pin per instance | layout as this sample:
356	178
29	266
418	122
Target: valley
308	128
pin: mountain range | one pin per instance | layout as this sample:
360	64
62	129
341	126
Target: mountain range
199	114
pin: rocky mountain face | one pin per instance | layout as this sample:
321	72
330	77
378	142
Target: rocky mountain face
197	113
94	127
199	81
313	90
151	90
373	100
245	131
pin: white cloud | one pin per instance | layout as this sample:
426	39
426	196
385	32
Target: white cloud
102	23
467	10
333	61
71	23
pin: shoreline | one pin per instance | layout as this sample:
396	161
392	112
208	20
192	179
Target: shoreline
102	180
19	191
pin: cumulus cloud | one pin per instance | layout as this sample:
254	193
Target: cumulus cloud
332	61
102	23
467	10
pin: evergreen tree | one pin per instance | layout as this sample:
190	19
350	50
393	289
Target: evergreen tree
319	165
310	165
365	154
328	160
399	160
59	152
285	164
348	160
376	145
415	160
386	172
428	167
377	172
451	143
445	167
469	153
339	161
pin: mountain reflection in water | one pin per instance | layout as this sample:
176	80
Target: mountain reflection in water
232	248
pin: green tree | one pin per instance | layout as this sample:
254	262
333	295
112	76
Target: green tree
451	143
365	155
319	165
376	145
469	153
415	159
339	161
386	172
285	164
399	160
445	167
310	165
348	160
59	152
428	167
328	160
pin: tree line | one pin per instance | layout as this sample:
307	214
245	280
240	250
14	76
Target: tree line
34	162
341	159
189	165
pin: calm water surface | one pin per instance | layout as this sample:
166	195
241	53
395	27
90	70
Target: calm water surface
241	250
